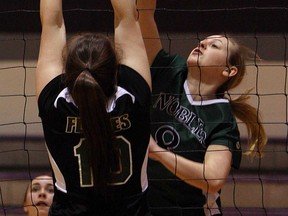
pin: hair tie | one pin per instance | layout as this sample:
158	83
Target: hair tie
86	69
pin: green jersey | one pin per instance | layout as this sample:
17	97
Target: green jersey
187	128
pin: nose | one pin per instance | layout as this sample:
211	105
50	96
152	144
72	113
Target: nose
202	44
42	193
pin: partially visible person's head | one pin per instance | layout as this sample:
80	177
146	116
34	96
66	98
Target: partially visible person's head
221	58
89	55
39	196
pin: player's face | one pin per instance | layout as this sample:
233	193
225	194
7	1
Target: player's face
39	197
210	53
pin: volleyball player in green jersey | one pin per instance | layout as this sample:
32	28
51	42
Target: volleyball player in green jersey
193	123
94	108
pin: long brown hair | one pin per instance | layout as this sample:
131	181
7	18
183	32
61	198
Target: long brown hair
237	56
90	74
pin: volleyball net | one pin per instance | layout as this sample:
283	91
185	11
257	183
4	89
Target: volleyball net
258	188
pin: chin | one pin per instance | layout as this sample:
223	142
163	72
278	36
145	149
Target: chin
193	65
43	209
193	62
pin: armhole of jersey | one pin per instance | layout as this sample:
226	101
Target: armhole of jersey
144	178
60	181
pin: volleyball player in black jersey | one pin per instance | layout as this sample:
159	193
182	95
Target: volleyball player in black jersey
95	114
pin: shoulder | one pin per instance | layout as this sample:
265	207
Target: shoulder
50	92
134	83
168	67
165	58
130	80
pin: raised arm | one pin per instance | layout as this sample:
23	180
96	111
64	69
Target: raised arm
53	39
149	28
128	38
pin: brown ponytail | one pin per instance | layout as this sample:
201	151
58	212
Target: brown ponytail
238	55
252	119
95	122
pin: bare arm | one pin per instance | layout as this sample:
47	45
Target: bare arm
149	28
53	39
128	38
209	176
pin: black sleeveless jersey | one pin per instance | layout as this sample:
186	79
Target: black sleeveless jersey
129	109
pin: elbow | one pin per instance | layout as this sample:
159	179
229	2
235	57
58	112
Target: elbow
208	185
214	186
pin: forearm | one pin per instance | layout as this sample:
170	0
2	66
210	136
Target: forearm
146	10
124	9
149	29
206	176
188	171
51	12
125	21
